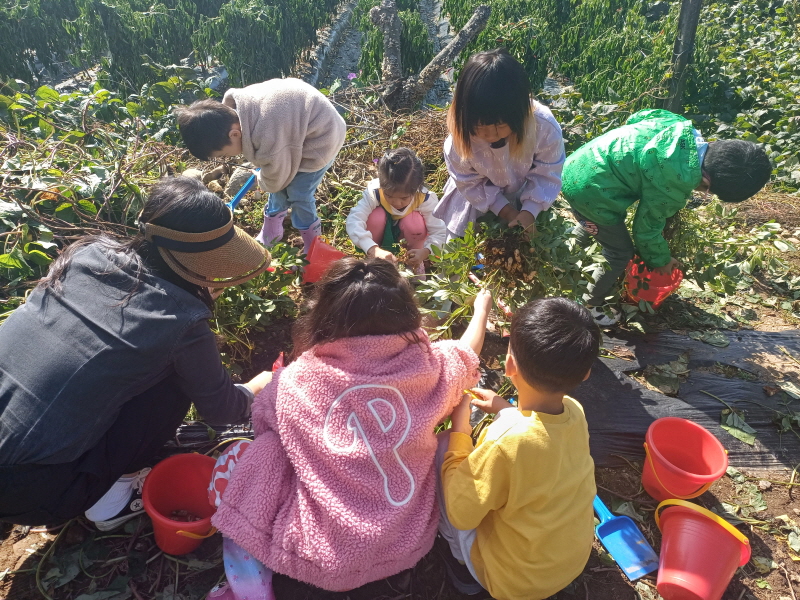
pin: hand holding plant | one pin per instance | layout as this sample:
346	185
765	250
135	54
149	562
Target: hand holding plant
378	252
488	401
417	255
669	267
525	220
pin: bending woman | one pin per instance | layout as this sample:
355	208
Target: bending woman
100	365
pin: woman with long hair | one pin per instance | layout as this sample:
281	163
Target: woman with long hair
100	365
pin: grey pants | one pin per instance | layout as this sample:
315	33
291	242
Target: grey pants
618	250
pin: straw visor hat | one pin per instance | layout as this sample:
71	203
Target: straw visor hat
219	258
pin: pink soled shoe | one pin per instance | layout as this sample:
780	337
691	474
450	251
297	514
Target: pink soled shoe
272	230
310	234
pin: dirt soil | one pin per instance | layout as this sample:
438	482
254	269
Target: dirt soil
128	561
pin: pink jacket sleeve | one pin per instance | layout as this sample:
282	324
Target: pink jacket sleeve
460	369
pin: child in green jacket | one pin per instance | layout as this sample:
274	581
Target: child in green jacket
657	158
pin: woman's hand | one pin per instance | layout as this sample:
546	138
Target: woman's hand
417	255
489	402
259	382
378	252
460	417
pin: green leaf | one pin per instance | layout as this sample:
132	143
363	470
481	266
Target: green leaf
48	94
781	245
740	435
87	206
38	257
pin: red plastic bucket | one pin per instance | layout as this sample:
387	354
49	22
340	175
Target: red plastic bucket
320	256
700	552
179	482
658	286
682	459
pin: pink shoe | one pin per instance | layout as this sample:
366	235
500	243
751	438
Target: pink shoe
310	234
221	592
272	230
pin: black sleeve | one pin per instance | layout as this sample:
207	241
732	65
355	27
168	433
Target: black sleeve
205	380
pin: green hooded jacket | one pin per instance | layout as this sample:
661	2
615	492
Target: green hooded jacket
652	159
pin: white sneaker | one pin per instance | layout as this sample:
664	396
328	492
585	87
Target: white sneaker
605	316
120	503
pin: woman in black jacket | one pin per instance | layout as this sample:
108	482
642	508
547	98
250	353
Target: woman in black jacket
100	365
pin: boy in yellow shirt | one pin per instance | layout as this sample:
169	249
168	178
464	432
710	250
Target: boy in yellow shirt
517	508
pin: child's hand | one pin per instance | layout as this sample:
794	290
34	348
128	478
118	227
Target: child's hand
259	382
488	401
483	301
525	220
460	416
378	252
508	213
667	268
417	255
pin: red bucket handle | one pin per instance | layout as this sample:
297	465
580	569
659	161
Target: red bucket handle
701	490
197	536
740	537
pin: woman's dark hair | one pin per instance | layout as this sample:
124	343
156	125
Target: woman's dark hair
737	169
554	342
356	298
492	88
400	171
179	203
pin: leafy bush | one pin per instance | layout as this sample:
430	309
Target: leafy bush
746	78
255	39
77	163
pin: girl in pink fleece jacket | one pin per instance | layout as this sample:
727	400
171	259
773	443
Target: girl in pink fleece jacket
338	487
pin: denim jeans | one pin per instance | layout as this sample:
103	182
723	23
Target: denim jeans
299	196
618	250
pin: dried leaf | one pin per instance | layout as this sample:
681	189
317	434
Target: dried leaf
764	565
627	509
735	474
794	540
791	389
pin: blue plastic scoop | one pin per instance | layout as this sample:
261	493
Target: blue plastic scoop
245	188
625	543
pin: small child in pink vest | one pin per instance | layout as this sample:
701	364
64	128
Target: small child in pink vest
397	206
339	486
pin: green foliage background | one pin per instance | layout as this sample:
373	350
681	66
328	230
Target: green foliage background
255	39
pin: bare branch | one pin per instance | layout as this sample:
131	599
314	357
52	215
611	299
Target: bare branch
385	18
415	88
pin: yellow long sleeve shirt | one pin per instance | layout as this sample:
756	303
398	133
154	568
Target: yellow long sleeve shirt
527	489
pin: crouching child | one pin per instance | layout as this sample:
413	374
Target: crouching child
516	509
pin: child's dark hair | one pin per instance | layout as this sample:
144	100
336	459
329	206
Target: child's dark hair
737	169
492	88
400	172
554	342
205	125
358	297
